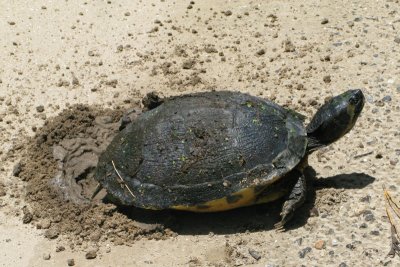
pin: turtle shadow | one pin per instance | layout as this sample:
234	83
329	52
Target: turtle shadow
341	181
247	219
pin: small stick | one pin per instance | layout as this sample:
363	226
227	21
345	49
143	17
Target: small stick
120	177
363	155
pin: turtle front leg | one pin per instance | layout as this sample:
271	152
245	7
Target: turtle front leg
295	200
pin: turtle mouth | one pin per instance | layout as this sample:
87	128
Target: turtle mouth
360	105
359	108
357	100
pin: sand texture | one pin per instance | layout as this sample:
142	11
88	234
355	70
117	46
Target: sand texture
71	71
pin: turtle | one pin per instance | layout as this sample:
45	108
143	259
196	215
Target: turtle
220	150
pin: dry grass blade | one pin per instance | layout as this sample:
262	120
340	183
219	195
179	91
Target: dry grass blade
392	209
394	205
122	180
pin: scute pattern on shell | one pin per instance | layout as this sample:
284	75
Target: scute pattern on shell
201	147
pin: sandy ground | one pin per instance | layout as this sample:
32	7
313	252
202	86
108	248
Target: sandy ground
55	54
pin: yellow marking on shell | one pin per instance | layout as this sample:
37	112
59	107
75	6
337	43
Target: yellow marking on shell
244	197
271	197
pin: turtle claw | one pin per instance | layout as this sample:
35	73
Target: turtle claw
279	227
96	191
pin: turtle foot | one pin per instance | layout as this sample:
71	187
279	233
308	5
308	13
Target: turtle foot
294	201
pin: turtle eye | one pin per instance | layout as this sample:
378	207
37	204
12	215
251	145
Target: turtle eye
353	100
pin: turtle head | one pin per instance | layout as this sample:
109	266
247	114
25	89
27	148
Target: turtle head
334	119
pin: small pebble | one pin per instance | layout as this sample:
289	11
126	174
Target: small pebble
370	99
397	40
228	13
44	224
393	162
343	264
368	216
75	80
324	21
387	98
113	83
366	199
17	169
288	46
298	241
255	254
91	254
375	232
51	233
46	256
2	191
188	64
40	108
60	248
27	218
386	262
260	52
320	244
304	251
71	262
327	79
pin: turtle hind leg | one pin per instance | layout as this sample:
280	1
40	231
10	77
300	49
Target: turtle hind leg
293	202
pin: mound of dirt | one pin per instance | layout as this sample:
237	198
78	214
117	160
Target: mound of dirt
58	169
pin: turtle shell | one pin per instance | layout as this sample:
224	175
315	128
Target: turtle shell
197	148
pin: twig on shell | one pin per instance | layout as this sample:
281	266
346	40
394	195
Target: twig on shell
122	180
